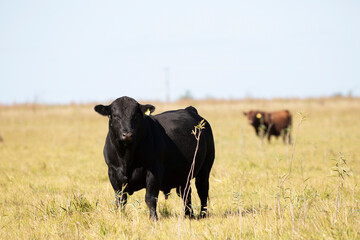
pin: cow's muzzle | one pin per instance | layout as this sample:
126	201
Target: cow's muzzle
127	137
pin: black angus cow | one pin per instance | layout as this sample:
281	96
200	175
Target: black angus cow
156	152
271	123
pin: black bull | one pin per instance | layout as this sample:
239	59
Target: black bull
156	152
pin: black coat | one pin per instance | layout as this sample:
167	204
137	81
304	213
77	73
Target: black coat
156	152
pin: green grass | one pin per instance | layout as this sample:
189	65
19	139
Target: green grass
54	184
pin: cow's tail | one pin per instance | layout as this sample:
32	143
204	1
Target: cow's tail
290	120
289	128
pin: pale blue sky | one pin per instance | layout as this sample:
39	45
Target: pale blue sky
82	50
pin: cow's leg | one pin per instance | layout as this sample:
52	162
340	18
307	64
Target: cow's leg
269	137
151	196
286	136
121	198
120	193
202	186
289	138
185	194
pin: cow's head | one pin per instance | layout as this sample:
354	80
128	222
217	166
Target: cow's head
126	118
254	117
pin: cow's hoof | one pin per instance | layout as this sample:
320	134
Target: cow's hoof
203	215
154	217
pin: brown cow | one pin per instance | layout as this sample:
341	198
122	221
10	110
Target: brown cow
271	123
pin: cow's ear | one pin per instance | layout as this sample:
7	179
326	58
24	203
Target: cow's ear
103	110
147	109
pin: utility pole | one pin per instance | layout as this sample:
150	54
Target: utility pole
167	95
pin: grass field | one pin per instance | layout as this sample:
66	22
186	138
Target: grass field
54	183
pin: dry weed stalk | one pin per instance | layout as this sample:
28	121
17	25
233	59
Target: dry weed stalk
303	117
341	172
196	132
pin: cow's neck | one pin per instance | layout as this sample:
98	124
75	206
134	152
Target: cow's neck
126	154
123	153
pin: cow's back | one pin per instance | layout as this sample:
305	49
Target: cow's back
178	126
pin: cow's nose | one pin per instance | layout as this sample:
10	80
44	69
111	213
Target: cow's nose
126	137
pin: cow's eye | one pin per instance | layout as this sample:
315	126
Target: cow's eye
116	118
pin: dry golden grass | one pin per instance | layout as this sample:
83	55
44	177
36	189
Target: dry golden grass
54	182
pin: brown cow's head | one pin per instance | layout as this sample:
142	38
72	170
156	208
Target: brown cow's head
255	117
126	118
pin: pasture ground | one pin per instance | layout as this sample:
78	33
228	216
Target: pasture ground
54	183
